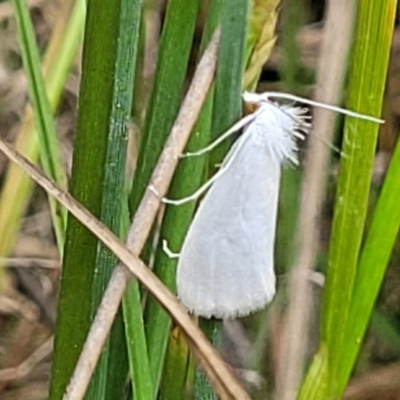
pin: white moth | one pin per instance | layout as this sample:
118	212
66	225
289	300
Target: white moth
226	265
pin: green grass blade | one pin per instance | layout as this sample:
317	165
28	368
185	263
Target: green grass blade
173	57
109	379
143	387
230	68
315	384
374	259
367	81
231	59
175	44
95	118
49	149
212	329
186	180
177	368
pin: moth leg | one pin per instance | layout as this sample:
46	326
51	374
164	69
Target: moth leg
168	251
225	166
197	193
189	198
240	124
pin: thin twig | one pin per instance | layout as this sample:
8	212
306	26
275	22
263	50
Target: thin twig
332	67
222	379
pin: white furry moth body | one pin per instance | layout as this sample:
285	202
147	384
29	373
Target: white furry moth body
226	266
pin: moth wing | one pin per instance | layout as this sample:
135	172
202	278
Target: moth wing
226	263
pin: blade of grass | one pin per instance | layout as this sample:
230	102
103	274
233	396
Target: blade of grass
374	259
213	331
368	74
17	186
315	384
228	82
143	387
367	83
173	57
98	86
48	143
177	368
186	180
109	379
124	79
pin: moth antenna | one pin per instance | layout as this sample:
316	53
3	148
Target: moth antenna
340	110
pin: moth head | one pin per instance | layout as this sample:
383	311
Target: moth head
252	102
